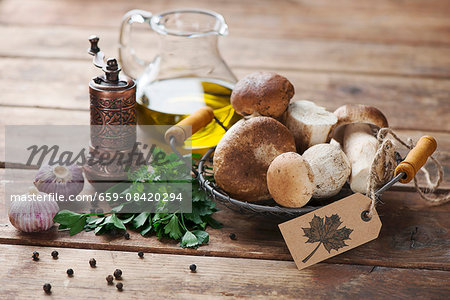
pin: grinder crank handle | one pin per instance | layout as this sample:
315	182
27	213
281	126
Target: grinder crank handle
196	121
416	158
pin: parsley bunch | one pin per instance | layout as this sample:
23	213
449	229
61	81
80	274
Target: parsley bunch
188	228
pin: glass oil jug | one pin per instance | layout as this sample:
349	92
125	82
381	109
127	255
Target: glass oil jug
186	74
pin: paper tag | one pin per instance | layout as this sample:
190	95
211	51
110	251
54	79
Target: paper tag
330	230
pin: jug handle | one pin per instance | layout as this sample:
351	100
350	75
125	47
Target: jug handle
131	64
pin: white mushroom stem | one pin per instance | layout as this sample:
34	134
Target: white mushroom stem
360	146
309	123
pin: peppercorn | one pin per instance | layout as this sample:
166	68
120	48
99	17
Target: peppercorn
55	254
232	236
118	273
47	288
109	279
141	254
35	256
69	272
92	262
126	236
193	268
119	286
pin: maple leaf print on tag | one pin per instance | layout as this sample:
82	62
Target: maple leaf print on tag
326	233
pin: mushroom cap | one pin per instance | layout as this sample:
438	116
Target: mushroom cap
357	113
331	169
360	113
263	93
244	154
290	180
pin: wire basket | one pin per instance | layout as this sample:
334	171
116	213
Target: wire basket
241	206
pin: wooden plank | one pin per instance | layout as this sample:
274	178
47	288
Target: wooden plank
413	235
64	84
415	22
168	276
249	51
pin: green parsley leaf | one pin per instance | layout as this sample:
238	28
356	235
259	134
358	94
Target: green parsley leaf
172	229
140	219
128	220
117	222
189	240
194	216
202	236
146	229
78	225
66	217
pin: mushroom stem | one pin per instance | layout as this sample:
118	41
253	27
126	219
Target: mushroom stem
360	146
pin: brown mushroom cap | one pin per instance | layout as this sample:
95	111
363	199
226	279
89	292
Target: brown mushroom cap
264	93
244	154
360	113
357	113
290	180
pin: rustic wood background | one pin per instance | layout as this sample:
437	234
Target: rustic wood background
393	54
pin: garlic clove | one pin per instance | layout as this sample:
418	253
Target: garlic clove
62	180
34	212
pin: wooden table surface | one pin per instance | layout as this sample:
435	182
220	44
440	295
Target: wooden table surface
388	53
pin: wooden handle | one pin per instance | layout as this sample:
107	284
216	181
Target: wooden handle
416	158
181	131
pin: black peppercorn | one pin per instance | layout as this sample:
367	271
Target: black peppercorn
109	279
69	272
232	236
126	236
119	286
193	268
47	288
35	256
141	254
55	254
118	273
92	262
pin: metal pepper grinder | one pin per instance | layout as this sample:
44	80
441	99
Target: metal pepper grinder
113	122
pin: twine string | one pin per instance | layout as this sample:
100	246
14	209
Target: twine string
383	167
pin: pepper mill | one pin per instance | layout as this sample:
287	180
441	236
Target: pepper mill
113	122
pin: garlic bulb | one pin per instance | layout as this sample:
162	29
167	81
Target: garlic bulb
61	180
33	212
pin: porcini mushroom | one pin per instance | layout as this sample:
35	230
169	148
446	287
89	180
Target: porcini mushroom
309	123
355	133
262	93
331	169
244	154
290	180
